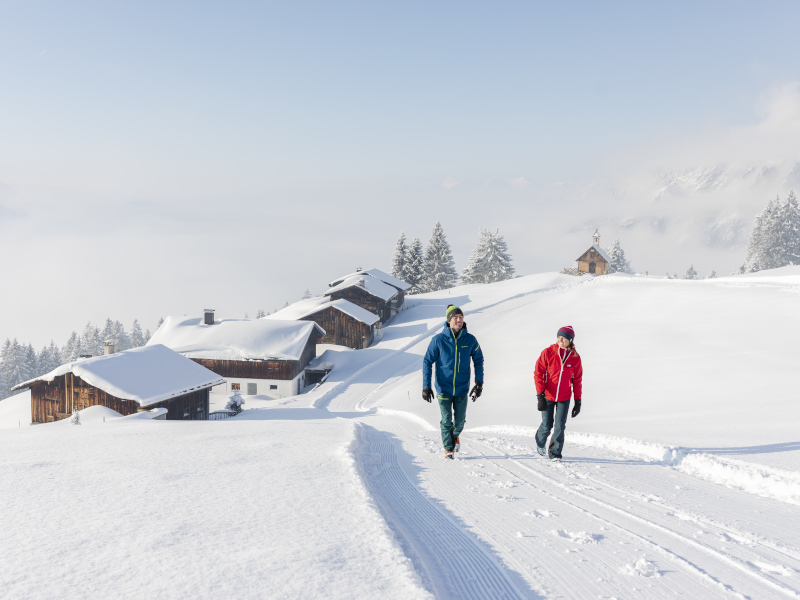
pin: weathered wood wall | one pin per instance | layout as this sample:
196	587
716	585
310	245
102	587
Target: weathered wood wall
361	297
53	401
189	407
263	369
592	256
341	329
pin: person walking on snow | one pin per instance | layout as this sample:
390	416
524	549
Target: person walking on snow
558	374
451	351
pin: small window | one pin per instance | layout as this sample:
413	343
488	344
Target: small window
252	389
273	387
235	387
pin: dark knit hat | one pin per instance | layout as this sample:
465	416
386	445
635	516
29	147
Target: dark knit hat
452	309
567	332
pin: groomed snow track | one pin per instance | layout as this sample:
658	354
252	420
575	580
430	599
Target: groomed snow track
450	561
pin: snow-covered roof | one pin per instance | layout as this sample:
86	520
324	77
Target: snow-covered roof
377	274
600	251
146	375
236	339
348	308
372	285
298	309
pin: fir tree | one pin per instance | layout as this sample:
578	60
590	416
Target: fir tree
136	336
415	266
260	314
160	323
775	238
30	362
713	274
71	349
5	389
306	295
12	363
619	264
147	336
490	261
400	258
121	337
440	270
690	273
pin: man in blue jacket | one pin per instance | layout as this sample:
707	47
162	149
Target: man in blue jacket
451	351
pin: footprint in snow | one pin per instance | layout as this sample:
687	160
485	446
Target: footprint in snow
541	514
579	537
774	569
641	568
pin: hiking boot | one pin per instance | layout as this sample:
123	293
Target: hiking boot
555	459
540	451
457	447
449	454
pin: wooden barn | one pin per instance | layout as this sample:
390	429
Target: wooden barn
595	260
255	356
401	286
127	382
345	323
369	293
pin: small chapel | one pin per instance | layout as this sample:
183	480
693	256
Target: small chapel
595	260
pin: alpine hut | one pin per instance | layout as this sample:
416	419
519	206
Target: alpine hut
255	356
345	323
595	260
368	292
401	286
139	379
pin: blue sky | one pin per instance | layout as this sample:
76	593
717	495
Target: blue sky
271	147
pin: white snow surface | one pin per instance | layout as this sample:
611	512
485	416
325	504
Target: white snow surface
377	274
299	309
372	285
680	477
235	339
147	375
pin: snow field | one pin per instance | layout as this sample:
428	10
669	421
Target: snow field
193	510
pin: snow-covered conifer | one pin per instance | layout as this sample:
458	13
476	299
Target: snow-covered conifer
260	314
136	336
72	349
490	261
306	295
122	339
400	258
775	238
12	363
690	273
147	335
160	323
713	274
5	389
415	266
440	269
619	264
30	362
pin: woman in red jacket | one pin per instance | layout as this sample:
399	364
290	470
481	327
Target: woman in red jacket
558	374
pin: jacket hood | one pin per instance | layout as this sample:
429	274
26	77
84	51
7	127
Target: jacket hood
447	327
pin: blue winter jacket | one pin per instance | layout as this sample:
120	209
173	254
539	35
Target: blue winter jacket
451	355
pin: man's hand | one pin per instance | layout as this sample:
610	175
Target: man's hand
577	408
541	405
476	390
427	394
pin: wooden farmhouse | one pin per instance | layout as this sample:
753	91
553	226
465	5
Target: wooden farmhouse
255	356
401	286
595	260
345	323
132	381
369	293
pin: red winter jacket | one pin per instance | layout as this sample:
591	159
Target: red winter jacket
558	379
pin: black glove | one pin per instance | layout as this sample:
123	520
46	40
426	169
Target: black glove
476	390
541	405
427	394
576	410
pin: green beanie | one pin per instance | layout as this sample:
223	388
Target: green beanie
452	309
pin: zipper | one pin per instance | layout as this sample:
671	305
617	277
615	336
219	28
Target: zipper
455	362
563	362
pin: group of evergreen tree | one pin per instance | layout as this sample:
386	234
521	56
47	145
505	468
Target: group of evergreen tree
20	362
434	269
618	264
775	239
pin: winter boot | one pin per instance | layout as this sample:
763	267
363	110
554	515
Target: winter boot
457	447
449	454
555	459
540	451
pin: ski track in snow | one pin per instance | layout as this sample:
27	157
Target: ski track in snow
452	562
441	508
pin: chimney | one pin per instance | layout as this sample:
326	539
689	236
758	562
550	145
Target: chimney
361	282
108	347
208	316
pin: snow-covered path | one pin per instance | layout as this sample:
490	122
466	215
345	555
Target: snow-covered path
500	521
